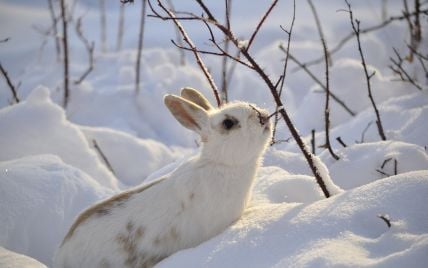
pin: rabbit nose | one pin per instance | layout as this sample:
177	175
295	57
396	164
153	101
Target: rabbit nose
264	119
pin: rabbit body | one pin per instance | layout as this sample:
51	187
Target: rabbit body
195	202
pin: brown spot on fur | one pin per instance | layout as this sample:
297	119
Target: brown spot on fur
173	233
105	207
140	232
128	242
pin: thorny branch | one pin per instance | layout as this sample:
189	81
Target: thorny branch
260	71
9	83
356	30
89	48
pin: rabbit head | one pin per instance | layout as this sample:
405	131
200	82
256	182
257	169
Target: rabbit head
236	133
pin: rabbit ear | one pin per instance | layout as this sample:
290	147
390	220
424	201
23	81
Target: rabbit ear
196	97
190	115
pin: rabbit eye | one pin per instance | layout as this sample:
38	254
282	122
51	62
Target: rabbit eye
228	123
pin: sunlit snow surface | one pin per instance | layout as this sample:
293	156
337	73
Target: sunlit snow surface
50	171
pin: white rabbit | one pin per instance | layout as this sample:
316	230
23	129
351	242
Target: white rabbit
195	202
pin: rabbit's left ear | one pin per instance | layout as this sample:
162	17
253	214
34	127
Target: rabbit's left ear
190	115
196	97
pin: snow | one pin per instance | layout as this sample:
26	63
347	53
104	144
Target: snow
50	169
9	259
40	195
344	230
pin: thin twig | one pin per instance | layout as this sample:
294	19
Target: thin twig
339	139
363	134
54	19
10	84
398	68
386	219
178	37
90	46
327	83
259	25
395	166
348	37
356	30
103	22
140	46
103	156
189	42
383	173
284	70
333	96
65	52
120	27
224	85
385	161
313	145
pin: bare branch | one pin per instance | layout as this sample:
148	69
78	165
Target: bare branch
9	83
397	67
89	49
5	40
224	85
259	25
363	134
179	41
189	42
334	97
356	30
103	22
385	162
54	19
284	69
103	156
339	139
386	219
140	46
348	37
65	52
120	26
313	145
327	84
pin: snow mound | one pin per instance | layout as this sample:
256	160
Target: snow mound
275	185
38	126
132	159
10	259
360	164
344	230
47	195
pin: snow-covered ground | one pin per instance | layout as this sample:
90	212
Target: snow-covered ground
50	170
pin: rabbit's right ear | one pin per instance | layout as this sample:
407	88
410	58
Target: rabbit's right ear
190	115
196	97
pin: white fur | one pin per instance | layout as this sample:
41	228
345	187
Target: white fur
195	202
